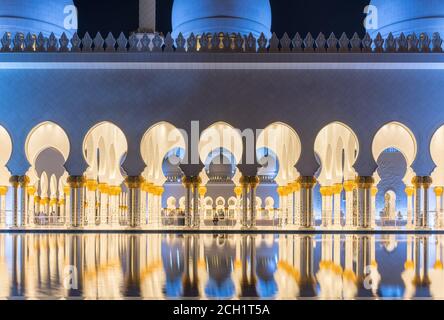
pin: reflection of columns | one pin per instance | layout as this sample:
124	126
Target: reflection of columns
238	193
422	185
349	186
188	183
91	188
77	195
337	190
196	217
373	192
307	184
364	185
409	191
103	194
438	215
134	183
19	185
253	181
3	192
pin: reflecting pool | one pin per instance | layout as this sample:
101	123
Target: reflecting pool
224	266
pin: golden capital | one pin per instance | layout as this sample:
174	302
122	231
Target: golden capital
374	191
349	185
134	182
238	191
365	182
202	191
337	188
326	191
31	190
114	190
439	191
282	191
307	182
91	185
409	191
103	188
76	182
3	190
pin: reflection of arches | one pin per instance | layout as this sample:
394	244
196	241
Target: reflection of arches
437	153
104	149
284	142
398	136
46	135
337	148
5	154
157	143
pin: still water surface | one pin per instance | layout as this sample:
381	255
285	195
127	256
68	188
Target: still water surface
190	266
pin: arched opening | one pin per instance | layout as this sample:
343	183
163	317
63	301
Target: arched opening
220	150
278	149
392	167
163	148
5	155
104	149
336	148
394	149
437	154
47	148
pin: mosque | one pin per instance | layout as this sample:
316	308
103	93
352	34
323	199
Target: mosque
220	124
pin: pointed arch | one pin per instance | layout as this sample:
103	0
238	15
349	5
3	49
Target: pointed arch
104	149
397	136
284	142
437	154
158	141
46	135
336	157
5	155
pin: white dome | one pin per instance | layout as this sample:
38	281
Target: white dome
35	16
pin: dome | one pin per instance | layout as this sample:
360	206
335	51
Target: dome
408	16
228	16
35	16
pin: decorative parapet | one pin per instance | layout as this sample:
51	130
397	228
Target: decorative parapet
222	42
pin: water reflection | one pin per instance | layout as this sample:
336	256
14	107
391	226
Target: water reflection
176	266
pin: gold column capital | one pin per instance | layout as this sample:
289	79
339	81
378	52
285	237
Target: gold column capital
438	191
238	191
307	182
282	191
76	182
349	185
92	185
409	191
326	191
134	182
31	190
3	190
374	191
203	191
17	181
365	182
337	188
103	188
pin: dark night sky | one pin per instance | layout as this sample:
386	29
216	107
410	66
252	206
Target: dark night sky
288	15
